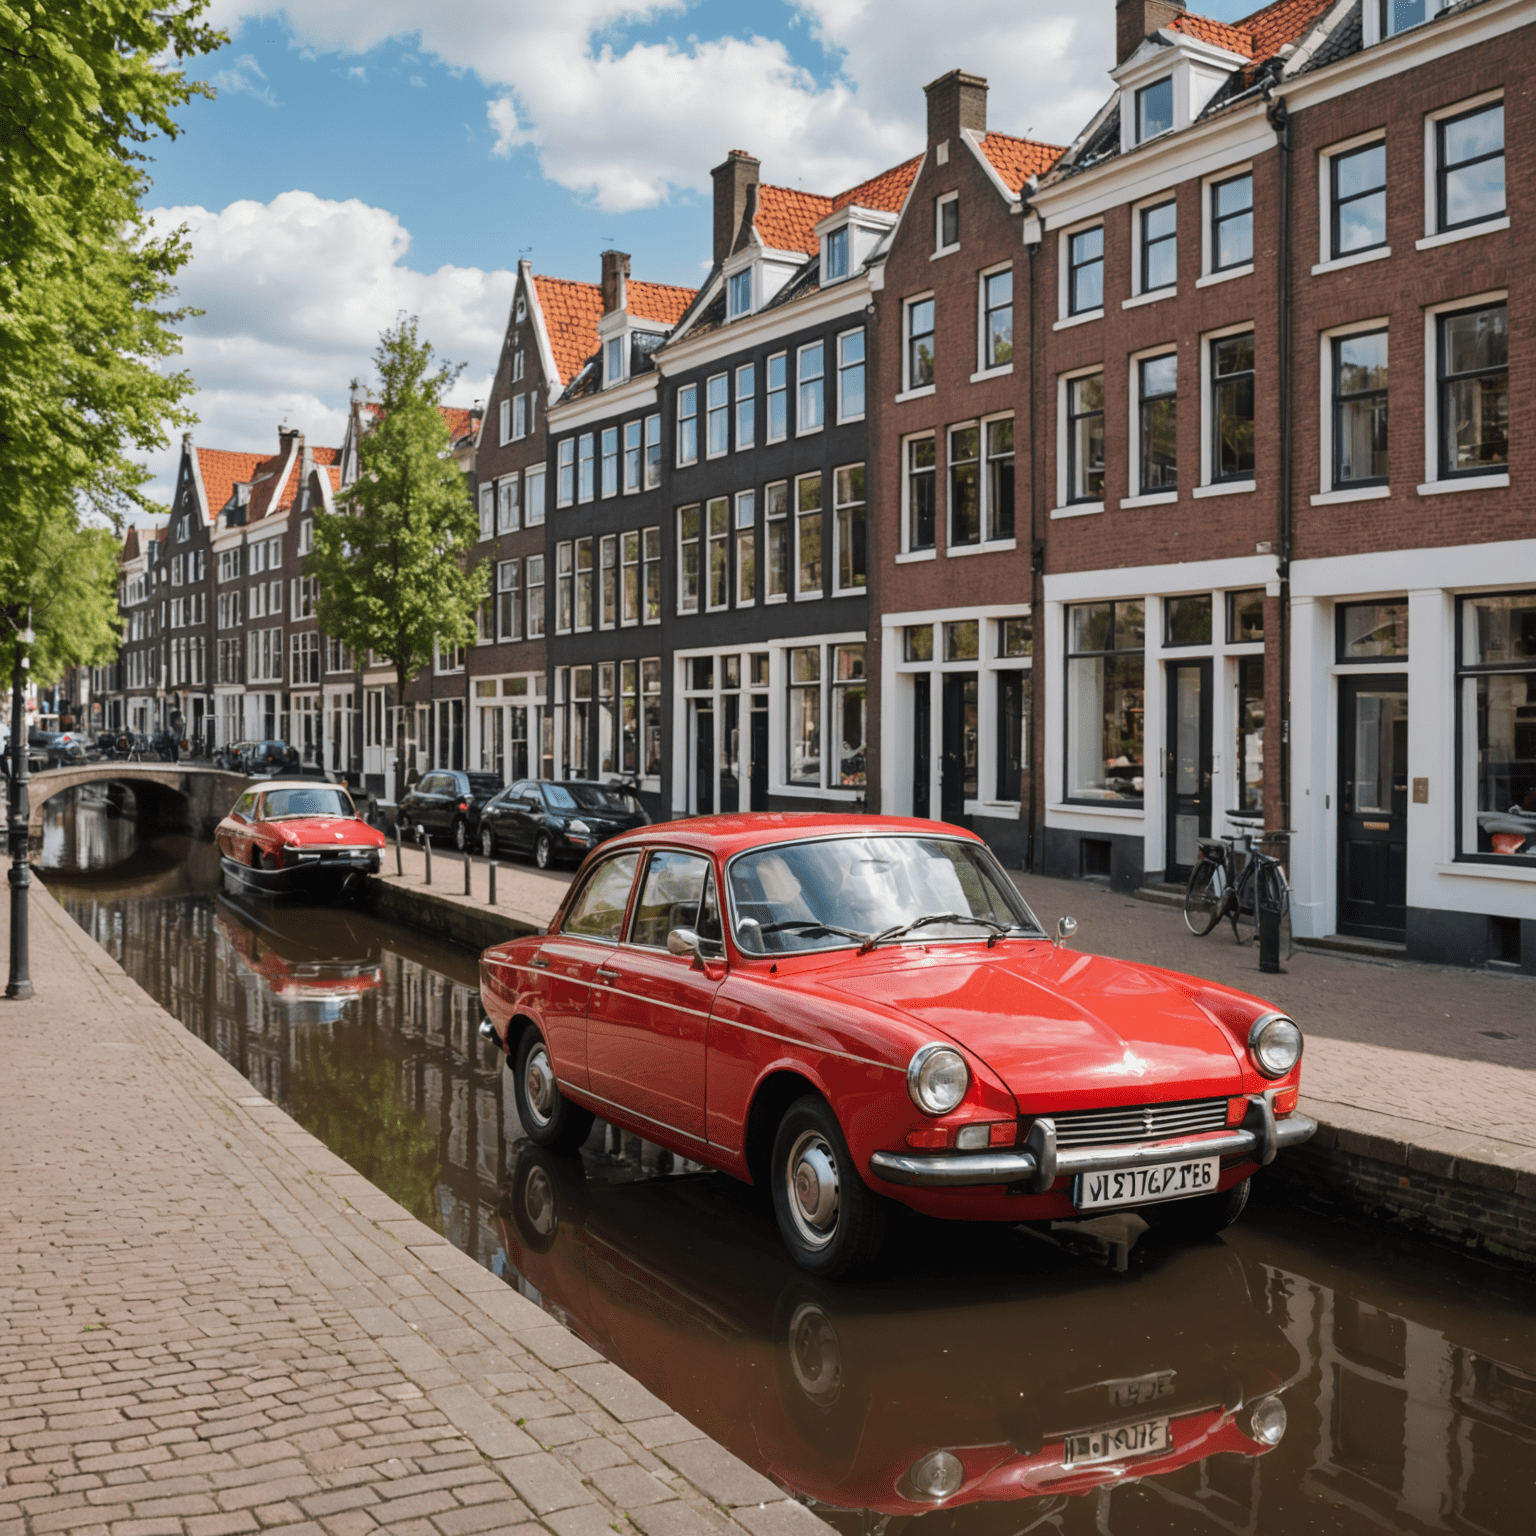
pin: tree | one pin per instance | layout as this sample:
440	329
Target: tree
84	288
392	560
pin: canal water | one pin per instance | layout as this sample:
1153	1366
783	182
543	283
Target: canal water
1293	1376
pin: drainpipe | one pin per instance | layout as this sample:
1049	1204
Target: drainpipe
1036	559
1280	121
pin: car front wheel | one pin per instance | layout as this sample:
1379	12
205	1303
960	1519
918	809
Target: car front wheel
1204	1216
831	1222
487	842
543	851
549	1118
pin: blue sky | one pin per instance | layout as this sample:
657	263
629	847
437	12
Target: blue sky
365	156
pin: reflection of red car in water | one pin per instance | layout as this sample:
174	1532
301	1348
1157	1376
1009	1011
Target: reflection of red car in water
845	1008
1031	1374
297	836
323	961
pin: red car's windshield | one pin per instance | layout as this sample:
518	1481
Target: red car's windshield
323	800
840	890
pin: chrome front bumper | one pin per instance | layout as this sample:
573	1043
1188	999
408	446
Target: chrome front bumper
1040	1164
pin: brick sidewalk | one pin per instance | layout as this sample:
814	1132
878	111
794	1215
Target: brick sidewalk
210	1324
523	893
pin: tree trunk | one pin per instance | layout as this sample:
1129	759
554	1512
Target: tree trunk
400	734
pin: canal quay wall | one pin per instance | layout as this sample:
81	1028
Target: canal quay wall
209	1323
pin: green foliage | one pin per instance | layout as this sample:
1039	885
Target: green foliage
392	559
69	584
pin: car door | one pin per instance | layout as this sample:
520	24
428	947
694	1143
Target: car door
517	816
648	1019
430	797
569	958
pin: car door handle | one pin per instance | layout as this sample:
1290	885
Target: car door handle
603	970
539	963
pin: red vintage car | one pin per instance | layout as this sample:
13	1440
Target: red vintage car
853	1010
297	835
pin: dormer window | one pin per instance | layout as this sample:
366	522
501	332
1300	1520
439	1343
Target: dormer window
522	307
613	361
837	255
1154	109
1396	16
738	294
947	222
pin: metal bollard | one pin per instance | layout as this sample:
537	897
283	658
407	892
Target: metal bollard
399	860
468	865
493	883
426	848
1269	938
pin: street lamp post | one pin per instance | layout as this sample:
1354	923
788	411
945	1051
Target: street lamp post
20	876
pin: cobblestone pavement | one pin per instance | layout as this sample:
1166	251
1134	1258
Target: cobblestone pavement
210	1325
523	893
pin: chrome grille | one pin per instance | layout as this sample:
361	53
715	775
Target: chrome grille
1139	1122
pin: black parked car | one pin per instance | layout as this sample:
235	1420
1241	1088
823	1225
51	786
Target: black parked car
263	759
550	821
447	803
62	749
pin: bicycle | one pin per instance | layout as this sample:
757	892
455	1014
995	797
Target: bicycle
1218	888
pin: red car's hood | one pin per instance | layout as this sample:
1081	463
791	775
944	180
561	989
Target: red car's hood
1063	1030
328	831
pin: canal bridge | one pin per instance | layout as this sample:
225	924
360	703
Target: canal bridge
167	796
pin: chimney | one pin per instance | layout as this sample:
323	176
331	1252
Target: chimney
955	101
1137	20
615	277
733	177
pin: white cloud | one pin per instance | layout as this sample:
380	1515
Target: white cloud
244	74
631	125
296	292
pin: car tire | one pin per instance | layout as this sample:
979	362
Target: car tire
1204	1216
460	833
549	1118
487	843
832	1223
539	1199
543	851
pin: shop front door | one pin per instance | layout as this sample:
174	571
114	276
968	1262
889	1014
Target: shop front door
957	782
1189	764
758	783
703	757
1373	806
922	763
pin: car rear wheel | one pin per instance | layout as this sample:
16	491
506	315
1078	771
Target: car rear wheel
549	1118
831	1222
1204	1216
487	842
460	833
543	851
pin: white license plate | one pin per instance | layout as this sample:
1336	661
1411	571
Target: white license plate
1143	1186
1112	1444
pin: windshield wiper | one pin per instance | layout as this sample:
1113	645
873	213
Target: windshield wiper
807	925
998	929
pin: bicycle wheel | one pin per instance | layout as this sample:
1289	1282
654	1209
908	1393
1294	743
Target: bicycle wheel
1204	897
1274	895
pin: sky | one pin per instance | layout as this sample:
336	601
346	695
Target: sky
368	157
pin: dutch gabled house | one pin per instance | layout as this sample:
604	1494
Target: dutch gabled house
950	553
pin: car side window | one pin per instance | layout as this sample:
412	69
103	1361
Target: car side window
598	910
710	930
245	805
670	898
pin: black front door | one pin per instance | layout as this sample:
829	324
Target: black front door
1189	764
730	753
1373	806
759	773
958	778
703	758
922	763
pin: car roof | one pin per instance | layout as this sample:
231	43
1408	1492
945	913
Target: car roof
268	785
727	836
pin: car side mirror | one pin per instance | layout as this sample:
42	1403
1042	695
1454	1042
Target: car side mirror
1065	928
684	941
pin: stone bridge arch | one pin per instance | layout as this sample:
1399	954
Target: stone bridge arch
169	797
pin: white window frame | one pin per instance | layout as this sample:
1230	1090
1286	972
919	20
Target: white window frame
724	381
1326	261
565	460
1065	320
984	369
819	344
737	529
749	401
1370	19
1433	484
509	504
1133	493
1064	507
794	543
614	348
708	539
519	417
907	552
699	542
486	513
1140	295
768	393
1205	486
835	543
1208	277
909	391
1326	495
684	390
533	505
603	493
839	368
607	558
731	311
636	426
505	413
651	438
1433	234
940	203
586	451
517	365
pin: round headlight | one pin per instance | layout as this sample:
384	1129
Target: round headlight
1267	1420
936	1475
1274	1042
937	1078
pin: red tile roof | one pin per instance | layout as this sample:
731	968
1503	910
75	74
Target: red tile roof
571	312
462	423
1217	33
221	471
657	301
787	217
1259	36
1016	160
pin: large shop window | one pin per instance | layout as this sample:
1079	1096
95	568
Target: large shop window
1498	726
1474	391
1106	702
838	672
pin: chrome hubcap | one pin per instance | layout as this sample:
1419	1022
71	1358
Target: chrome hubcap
539	1202
815	1355
813	1192
539	1085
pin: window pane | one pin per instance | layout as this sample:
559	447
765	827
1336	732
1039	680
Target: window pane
1370	631
1188	620
598	912
1000	479
1162	265
1014	637
669	898
920	493
1159	221
964	486
1245	616
1499	629
917	642
1505	768
1250	733
1473	191
1477	424
1154	109
962	640
1012	733
1086	404
1477	340
1086	277
1361	170
1105	711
